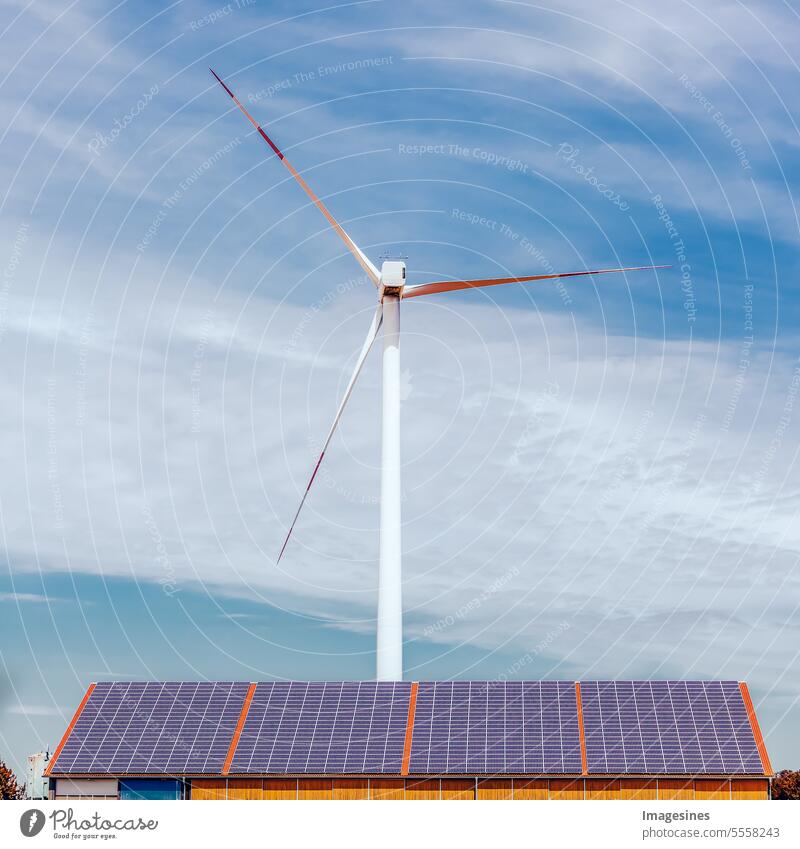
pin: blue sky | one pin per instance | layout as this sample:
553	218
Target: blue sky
599	478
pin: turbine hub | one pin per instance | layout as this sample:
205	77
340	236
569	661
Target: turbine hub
393	278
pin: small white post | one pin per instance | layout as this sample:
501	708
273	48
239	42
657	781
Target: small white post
390	585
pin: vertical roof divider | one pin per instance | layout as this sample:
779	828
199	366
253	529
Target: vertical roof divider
412	707
238	730
581	733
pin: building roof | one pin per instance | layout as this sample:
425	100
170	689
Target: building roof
414	728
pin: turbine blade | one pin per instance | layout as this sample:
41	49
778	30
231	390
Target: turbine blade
373	332
362	258
453	285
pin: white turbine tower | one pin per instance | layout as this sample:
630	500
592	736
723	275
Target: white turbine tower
391	290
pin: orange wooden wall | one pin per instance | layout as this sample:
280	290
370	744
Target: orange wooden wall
603	788
246	788
209	788
531	788
315	788
387	788
458	788
496	788
749	788
350	788
638	788
418	789
635	789
566	788
279	788
675	788
712	788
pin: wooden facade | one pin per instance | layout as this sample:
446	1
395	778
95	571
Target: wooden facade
397	781
470	788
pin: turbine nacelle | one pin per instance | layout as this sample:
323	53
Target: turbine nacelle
392	279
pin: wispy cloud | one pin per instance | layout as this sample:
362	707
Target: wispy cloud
34	598
36	710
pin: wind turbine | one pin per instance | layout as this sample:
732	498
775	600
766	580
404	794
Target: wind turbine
390	283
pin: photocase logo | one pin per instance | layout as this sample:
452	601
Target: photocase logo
31	822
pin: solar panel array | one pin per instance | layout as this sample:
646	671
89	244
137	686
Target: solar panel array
667	727
152	727
496	727
303	727
461	727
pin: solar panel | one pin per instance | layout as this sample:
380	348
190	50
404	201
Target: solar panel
461	727
324	727
667	727
153	727
490	727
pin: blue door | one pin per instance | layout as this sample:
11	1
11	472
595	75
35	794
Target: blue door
149	788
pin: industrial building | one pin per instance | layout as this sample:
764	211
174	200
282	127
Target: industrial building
36	785
413	740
